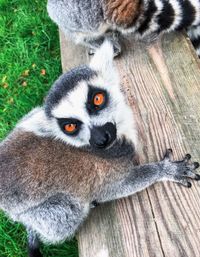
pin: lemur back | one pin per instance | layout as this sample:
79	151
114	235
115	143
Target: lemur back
90	22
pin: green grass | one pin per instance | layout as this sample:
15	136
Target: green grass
29	63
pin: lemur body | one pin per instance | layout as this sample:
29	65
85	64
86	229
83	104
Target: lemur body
76	150
89	22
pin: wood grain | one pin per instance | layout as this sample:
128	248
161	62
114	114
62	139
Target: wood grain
162	84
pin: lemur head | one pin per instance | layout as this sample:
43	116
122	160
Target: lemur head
85	107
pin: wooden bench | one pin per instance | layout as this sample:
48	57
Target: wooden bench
162	84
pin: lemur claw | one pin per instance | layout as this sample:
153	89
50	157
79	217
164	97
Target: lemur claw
197	178
168	154
196	165
187	157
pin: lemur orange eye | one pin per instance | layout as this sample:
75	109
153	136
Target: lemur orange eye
70	127
99	99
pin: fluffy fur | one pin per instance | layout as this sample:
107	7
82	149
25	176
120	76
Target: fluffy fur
89	22
49	181
121	13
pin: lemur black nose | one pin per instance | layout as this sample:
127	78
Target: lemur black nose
102	139
103	136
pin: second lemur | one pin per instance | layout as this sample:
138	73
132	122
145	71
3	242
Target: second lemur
88	22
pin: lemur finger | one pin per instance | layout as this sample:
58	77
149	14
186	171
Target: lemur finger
187	157
195	165
183	182
168	154
197	177
189	185
190	174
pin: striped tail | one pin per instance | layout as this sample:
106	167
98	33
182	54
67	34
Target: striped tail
194	35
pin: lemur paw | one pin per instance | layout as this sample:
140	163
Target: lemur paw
116	47
179	171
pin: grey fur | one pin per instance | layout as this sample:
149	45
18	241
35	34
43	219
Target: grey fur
89	22
81	21
55	219
40	185
86	15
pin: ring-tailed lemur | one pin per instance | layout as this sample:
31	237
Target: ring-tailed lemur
74	152
89	22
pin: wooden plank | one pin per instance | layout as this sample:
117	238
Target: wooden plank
71	54
162	84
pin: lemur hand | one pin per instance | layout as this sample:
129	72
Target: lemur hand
179	171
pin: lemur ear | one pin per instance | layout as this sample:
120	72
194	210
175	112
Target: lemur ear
102	60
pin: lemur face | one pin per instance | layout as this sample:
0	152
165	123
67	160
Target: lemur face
91	120
87	108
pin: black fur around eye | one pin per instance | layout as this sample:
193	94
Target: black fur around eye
70	126
97	100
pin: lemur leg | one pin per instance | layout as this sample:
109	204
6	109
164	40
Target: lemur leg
194	34
33	244
54	220
93	43
141	177
113	37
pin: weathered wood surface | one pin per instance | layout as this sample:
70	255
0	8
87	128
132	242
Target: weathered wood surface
162	84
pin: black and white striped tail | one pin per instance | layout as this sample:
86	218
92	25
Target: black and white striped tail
171	15
194	35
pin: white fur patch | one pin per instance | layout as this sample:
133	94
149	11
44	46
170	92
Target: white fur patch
36	121
178	14
73	104
196	5
103	58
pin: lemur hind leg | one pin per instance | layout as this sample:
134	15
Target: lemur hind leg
94	44
54	220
